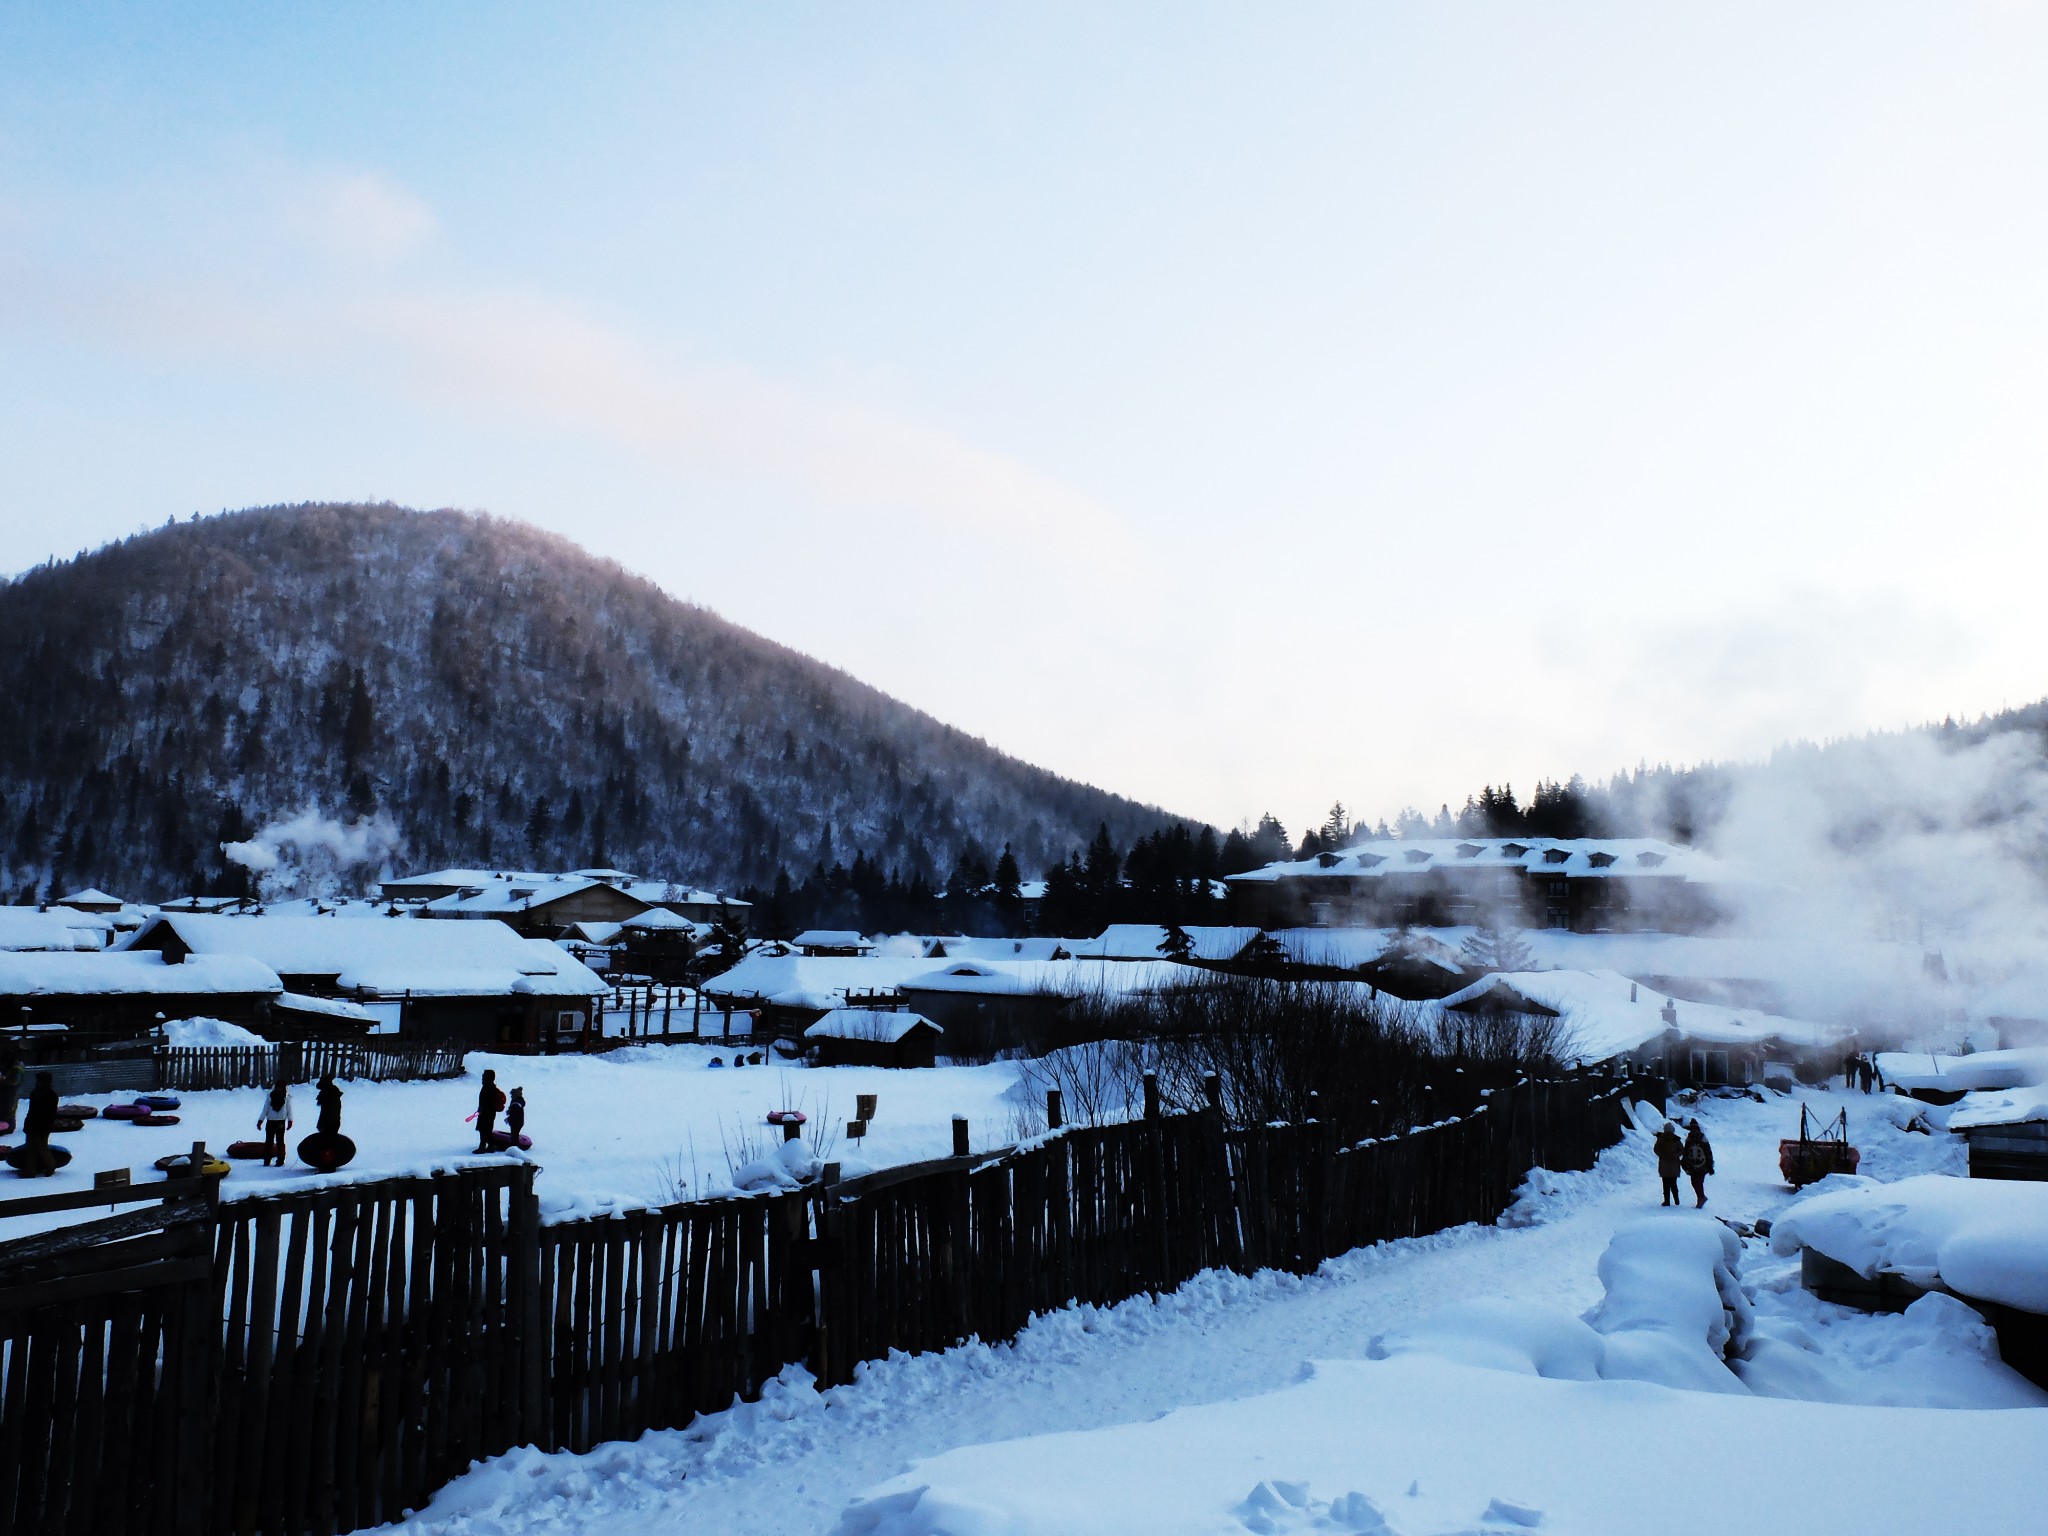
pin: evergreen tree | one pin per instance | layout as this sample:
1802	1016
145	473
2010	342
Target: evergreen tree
1008	883
1178	945
1493	946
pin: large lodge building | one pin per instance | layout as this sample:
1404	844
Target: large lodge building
1588	885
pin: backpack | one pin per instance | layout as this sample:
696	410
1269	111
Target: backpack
1697	1157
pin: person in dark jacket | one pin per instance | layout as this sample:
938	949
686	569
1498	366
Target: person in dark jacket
515	1114
1670	1151
328	1097
36	1127
1698	1158
489	1100
10	1087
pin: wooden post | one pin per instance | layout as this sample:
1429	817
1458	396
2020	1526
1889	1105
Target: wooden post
1212	1090
1055	1110
791	1130
864	1106
1151	1095
959	1135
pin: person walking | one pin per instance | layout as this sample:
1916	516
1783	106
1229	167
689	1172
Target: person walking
515	1114
10	1086
1699	1161
1863	1072
489	1100
328	1097
274	1119
36	1126
1670	1151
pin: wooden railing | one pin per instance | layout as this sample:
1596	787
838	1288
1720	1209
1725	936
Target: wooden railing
191	1069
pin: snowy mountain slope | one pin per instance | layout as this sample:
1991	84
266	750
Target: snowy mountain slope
502	695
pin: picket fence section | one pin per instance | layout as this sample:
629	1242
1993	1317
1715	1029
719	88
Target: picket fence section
190	1069
376	1338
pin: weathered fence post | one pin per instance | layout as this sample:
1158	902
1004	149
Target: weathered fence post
1055	1110
959	1135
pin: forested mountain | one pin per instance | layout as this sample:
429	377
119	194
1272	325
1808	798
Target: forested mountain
500	695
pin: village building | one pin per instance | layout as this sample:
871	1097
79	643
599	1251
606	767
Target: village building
1208	944
1586	885
1605	1017
58	929
478	983
832	942
547	906
52	1001
874	1037
91	899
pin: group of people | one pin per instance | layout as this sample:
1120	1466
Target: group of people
490	1103
1693	1156
275	1117
1860	1069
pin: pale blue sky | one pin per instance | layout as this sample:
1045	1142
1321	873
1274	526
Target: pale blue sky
1235	406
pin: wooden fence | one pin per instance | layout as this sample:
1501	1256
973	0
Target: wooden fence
188	1069
374	1339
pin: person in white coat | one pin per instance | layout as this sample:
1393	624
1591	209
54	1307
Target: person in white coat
274	1119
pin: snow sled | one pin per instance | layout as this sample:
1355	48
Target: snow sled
505	1141
785	1117
151	1119
326	1152
77	1112
1808	1158
180	1165
124	1111
247	1149
157	1102
17	1157
67	1123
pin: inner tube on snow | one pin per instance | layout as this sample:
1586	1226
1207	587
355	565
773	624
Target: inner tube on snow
247	1149
157	1101
67	1123
785	1117
179	1166
504	1141
124	1112
77	1112
326	1151
17	1157
154	1120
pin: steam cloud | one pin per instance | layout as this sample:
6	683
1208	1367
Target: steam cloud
314	855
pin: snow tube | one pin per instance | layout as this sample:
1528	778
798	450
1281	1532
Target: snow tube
76	1112
505	1142
157	1101
148	1119
326	1152
179	1166
124	1112
785	1117
67	1123
247	1149
17	1157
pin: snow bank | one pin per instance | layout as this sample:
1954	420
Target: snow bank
2015	1106
1983	1238
195	1034
1980	1070
1419	1445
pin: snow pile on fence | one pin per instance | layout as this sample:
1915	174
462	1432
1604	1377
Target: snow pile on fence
1981	1238
209	1034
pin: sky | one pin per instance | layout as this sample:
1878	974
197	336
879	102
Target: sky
1240	408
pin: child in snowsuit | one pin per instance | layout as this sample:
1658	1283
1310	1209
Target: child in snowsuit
489	1100
274	1119
515	1114
329	1099
1670	1151
1699	1161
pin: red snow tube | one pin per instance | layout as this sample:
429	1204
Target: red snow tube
247	1149
149	1119
504	1141
76	1112
67	1123
125	1111
785	1117
326	1151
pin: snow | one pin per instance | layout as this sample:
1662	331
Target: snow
1224	1354
58	974
1141	941
1610	1015
1580	858
2021	1068
831	938
633	1127
2014	1107
878	1024
209	1034
1983	1238
26	929
331	1007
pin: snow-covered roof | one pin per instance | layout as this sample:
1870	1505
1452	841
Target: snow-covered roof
2019	1068
954	946
1981	1238
812	981
831	938
91	896
388	959
330	1007
126	973
2009	1106
1069	978
1581	858
60	928
1609	1015
878	1024
664	920
1141	941
1351	949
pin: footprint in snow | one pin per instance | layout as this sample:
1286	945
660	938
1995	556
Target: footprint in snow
1277	1506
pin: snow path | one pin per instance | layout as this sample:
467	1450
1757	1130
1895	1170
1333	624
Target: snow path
794	1460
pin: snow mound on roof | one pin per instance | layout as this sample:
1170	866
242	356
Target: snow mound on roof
209	1034
1982	1238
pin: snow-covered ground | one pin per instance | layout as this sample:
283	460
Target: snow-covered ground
636	1126
1214	1385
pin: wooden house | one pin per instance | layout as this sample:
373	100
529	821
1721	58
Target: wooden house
873	1037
